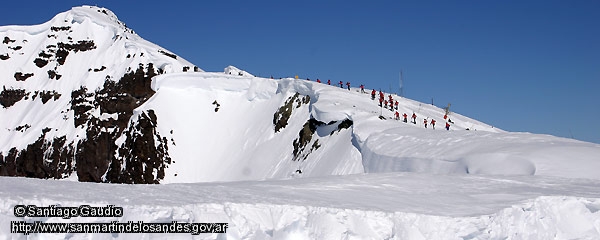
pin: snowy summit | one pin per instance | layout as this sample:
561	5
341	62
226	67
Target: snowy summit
86	99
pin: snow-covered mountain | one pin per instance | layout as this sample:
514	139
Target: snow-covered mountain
70	87
86	99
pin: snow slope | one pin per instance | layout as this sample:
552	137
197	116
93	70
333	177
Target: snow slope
363	206
238	142
84	98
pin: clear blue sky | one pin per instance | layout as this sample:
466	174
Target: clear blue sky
531	66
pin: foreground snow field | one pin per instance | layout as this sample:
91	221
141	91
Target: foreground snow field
362	206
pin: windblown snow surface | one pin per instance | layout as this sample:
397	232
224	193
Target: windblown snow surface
295	159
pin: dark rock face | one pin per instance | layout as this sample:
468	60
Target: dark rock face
141	154
141	158
304	138
9	97
41	159
283	114
19	76
7	40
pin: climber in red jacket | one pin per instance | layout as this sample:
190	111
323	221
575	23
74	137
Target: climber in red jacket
433	123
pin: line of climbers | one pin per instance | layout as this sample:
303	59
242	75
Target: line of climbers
393	105
362	86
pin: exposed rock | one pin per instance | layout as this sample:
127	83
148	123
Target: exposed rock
19	76
22	128
7	40
168	54
140	156
9	97
304	138
41	159
82	45
52	75
282	115
40	62
56	29
47	95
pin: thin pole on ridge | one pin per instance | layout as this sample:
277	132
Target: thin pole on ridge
401	85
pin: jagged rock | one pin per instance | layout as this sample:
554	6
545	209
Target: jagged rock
19	76
9	97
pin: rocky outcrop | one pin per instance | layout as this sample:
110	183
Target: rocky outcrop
108	142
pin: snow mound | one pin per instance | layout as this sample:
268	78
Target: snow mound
231	70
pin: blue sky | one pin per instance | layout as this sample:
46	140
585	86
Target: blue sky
531	66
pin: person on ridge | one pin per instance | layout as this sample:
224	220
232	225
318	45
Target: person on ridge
447	126
396	104
397	116
362	88
318	80
425	122
405	116
348	84
433	123
328	81
414	117
385	103
373	94
341	84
